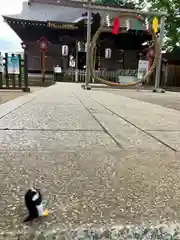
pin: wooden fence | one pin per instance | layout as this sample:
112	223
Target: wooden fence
113	76
173	75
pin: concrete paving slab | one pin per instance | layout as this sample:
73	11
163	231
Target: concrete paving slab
128	136
145	115
54	140
172	138
90	187
168	99
14	104
84	176
50	116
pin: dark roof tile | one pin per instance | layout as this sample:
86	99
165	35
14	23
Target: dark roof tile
48	12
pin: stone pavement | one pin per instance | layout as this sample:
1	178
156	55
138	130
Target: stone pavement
167	99
100	159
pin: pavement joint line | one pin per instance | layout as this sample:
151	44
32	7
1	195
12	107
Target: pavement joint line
162	130
51	130
72	150
102	126
17	108
134	125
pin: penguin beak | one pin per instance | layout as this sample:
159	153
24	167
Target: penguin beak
46	213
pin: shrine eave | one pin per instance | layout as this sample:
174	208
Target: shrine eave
11	20
42	13
50	24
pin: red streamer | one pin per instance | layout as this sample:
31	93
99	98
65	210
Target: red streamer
116	26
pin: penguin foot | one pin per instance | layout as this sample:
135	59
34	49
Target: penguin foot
45	213
29	218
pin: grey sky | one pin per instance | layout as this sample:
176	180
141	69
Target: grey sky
8	39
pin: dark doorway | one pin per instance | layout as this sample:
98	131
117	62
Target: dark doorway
81	60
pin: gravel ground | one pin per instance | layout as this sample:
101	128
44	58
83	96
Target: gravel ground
101	176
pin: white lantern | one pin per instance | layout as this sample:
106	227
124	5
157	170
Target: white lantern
108	53
127	24
65	50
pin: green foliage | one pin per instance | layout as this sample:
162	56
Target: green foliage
172	27
171	7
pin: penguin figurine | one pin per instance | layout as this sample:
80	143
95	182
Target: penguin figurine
33	202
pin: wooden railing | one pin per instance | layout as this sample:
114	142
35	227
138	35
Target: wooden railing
79	75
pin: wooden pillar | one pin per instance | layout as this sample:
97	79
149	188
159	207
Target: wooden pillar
43	59
6	70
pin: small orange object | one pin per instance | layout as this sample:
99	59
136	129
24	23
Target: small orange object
46	213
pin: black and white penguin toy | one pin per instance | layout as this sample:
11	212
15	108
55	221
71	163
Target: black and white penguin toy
33	202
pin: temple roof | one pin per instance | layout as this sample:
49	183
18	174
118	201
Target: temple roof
51	12
47	12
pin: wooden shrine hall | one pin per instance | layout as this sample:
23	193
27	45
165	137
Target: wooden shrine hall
63	23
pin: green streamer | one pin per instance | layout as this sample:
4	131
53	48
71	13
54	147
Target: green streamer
137	26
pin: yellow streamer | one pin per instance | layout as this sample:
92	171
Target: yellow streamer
155	24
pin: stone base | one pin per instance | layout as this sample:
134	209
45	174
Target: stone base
86	87
159	90
26	89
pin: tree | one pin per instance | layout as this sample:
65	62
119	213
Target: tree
172	27
171	7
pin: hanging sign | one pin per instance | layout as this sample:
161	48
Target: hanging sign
1	64
61	25
13	64
142	68
155	24
57	69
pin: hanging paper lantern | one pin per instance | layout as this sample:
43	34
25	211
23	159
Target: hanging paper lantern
116	26
127	24
65	50
155	24
108	53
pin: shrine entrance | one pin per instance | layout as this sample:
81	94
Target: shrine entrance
81	61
